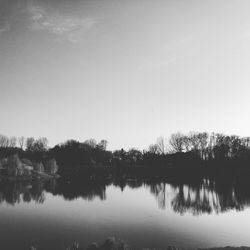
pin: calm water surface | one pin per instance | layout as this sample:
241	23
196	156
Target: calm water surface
144	216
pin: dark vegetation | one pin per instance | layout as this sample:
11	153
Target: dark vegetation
217	162
113	243
207	173
117	244
194	150
198	166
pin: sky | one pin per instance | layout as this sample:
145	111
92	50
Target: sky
125	71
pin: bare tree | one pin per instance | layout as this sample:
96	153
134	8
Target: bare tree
39	145
91	142
103	144
4	141
21	142
161	145
176	142
153	148
203	144
187	146
12	141
30	143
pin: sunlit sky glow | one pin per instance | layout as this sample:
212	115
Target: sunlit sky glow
125	71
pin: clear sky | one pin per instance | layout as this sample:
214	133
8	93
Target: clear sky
126	71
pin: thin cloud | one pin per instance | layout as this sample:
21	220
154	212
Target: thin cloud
69	27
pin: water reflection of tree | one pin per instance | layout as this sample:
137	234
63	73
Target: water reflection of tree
203	195
86	191
159	191
196	201
15	192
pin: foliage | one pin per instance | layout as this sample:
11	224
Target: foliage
180	149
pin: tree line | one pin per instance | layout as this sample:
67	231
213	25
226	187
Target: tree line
179	147
30	143
204	145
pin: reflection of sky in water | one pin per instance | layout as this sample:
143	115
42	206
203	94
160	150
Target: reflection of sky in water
132	215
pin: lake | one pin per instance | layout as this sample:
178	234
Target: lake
144	215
